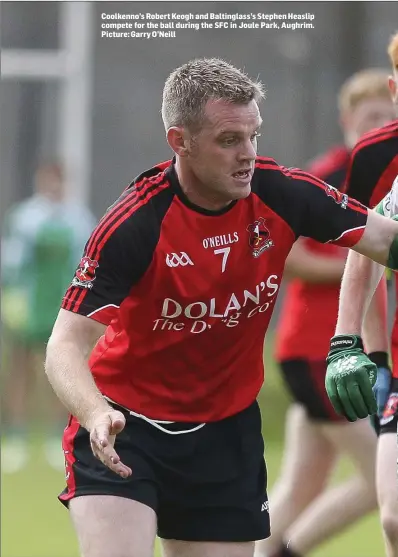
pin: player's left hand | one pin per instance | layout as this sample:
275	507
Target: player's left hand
350	377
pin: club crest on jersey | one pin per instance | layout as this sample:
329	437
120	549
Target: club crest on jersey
340	198
390	409
85	274
259	237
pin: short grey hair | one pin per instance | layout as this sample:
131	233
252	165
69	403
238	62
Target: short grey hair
189	87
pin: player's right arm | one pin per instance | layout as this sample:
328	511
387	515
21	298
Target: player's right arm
68	349
115	258
101	283
365	182
349	371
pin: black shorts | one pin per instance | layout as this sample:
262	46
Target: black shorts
305	380
207	485
388	422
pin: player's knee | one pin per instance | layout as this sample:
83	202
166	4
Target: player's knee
389	521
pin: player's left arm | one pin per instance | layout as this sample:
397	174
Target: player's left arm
327	215
379	240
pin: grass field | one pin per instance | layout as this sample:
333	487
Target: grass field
34	523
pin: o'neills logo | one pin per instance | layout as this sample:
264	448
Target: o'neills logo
222	240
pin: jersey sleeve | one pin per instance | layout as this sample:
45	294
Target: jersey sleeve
369	176
324	213
114	259
359	184
388	206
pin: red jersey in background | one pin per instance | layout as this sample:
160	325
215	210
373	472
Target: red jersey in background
373	169
309	310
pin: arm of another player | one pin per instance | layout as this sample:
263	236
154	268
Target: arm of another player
67	370
350	373
376	339
305	265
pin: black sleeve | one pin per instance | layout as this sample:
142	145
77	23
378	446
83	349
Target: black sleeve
120	250
319	211
360	182
367	179
113	261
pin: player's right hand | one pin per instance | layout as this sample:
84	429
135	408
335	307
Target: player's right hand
103	429
350	377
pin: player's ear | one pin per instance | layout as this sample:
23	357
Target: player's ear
393	89
178	141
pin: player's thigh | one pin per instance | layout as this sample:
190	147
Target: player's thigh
307	452
214	488
305	380
386	476
108	525
358	441
175	548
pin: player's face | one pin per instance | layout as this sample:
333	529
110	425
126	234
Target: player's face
49	183
367	115
222	155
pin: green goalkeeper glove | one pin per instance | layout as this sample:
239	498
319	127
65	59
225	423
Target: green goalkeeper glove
350	377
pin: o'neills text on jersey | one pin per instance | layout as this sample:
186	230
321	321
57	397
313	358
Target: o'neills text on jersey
222	240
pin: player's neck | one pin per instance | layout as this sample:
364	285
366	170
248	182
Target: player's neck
192	189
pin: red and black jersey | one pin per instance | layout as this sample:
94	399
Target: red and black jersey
373	169
309	311
374	165
188	293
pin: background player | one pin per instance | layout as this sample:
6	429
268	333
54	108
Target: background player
42	242
302	510
374	166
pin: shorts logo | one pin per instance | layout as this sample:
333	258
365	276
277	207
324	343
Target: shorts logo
259	237
390	409
174	260
340	198
265	507
85	274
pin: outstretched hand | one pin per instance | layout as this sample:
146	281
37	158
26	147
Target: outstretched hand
103	430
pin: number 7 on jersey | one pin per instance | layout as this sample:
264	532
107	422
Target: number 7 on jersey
225	253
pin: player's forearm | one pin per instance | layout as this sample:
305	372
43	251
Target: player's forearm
380	240
375	330
312	268
68	372
324	271
360	280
